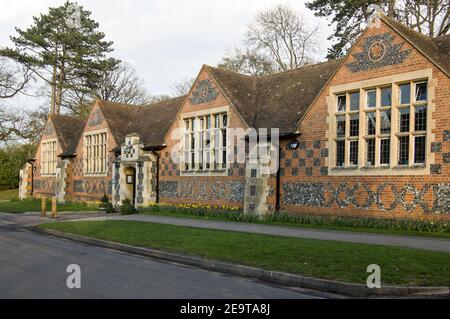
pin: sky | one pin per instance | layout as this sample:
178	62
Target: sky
165	41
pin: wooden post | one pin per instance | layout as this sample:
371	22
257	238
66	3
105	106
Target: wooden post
54	202
43	206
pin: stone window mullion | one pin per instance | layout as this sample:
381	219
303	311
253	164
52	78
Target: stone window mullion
362	128
394	125
411	124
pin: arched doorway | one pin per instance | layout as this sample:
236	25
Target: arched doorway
130	182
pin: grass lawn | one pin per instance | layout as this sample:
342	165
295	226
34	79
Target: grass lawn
314	226
8	193
31	205
322	259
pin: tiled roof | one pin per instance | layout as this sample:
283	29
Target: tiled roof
151	122
436	49
275	101
68	130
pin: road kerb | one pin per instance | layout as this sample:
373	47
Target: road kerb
323	285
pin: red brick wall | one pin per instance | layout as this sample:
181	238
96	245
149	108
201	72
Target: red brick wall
214	190
80	187
45	185
314	126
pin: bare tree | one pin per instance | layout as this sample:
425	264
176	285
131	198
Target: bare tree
12	82
247	61
122	85
431	17
282	35
349	18
182	87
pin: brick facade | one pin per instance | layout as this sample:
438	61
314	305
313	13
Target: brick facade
308	183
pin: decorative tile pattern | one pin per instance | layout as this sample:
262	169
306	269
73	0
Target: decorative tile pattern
96	118
316	162
446	136
232	191
435	169
446	158
288	163
140	185
49	129
378	51
301	162
436	147
325	194
324	152
317	144
204	92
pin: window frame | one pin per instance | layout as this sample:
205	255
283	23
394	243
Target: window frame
393	83
217	164
95	153
46	162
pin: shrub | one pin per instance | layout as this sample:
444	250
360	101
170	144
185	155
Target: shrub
127	208
105	205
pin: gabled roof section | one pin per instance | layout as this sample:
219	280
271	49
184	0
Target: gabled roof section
68	130
153	121
436	49
240	89
275	101
118	116
150	121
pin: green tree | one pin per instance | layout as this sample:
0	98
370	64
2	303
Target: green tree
350	17
65	49
12	159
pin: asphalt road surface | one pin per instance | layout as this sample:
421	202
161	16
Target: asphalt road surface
34	266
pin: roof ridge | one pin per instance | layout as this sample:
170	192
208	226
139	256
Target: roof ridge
307	66
274	74
424	44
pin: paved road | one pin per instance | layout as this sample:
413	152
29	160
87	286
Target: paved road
428	243
34	266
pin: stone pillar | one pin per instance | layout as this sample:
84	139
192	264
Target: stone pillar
61	177
256	188
116	184
24	175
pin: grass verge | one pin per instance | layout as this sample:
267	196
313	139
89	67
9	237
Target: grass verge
317	258
32	205
314	222
7	194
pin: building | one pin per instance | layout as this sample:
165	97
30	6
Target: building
365	135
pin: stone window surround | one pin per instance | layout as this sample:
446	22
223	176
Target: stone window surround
52	141
212	172
96	132
393	168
